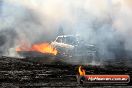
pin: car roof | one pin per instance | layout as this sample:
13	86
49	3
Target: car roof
67	36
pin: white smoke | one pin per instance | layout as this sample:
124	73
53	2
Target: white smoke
103	23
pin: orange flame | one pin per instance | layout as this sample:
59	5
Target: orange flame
81	71
42	47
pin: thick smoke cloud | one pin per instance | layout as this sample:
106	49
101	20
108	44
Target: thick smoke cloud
105	23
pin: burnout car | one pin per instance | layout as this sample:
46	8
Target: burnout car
74	47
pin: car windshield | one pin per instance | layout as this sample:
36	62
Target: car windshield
59	39
67	40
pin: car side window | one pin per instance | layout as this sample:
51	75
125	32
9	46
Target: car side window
63	39
71	40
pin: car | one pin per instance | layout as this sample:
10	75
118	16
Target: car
74	47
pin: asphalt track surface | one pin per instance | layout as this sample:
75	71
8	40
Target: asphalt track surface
17	73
